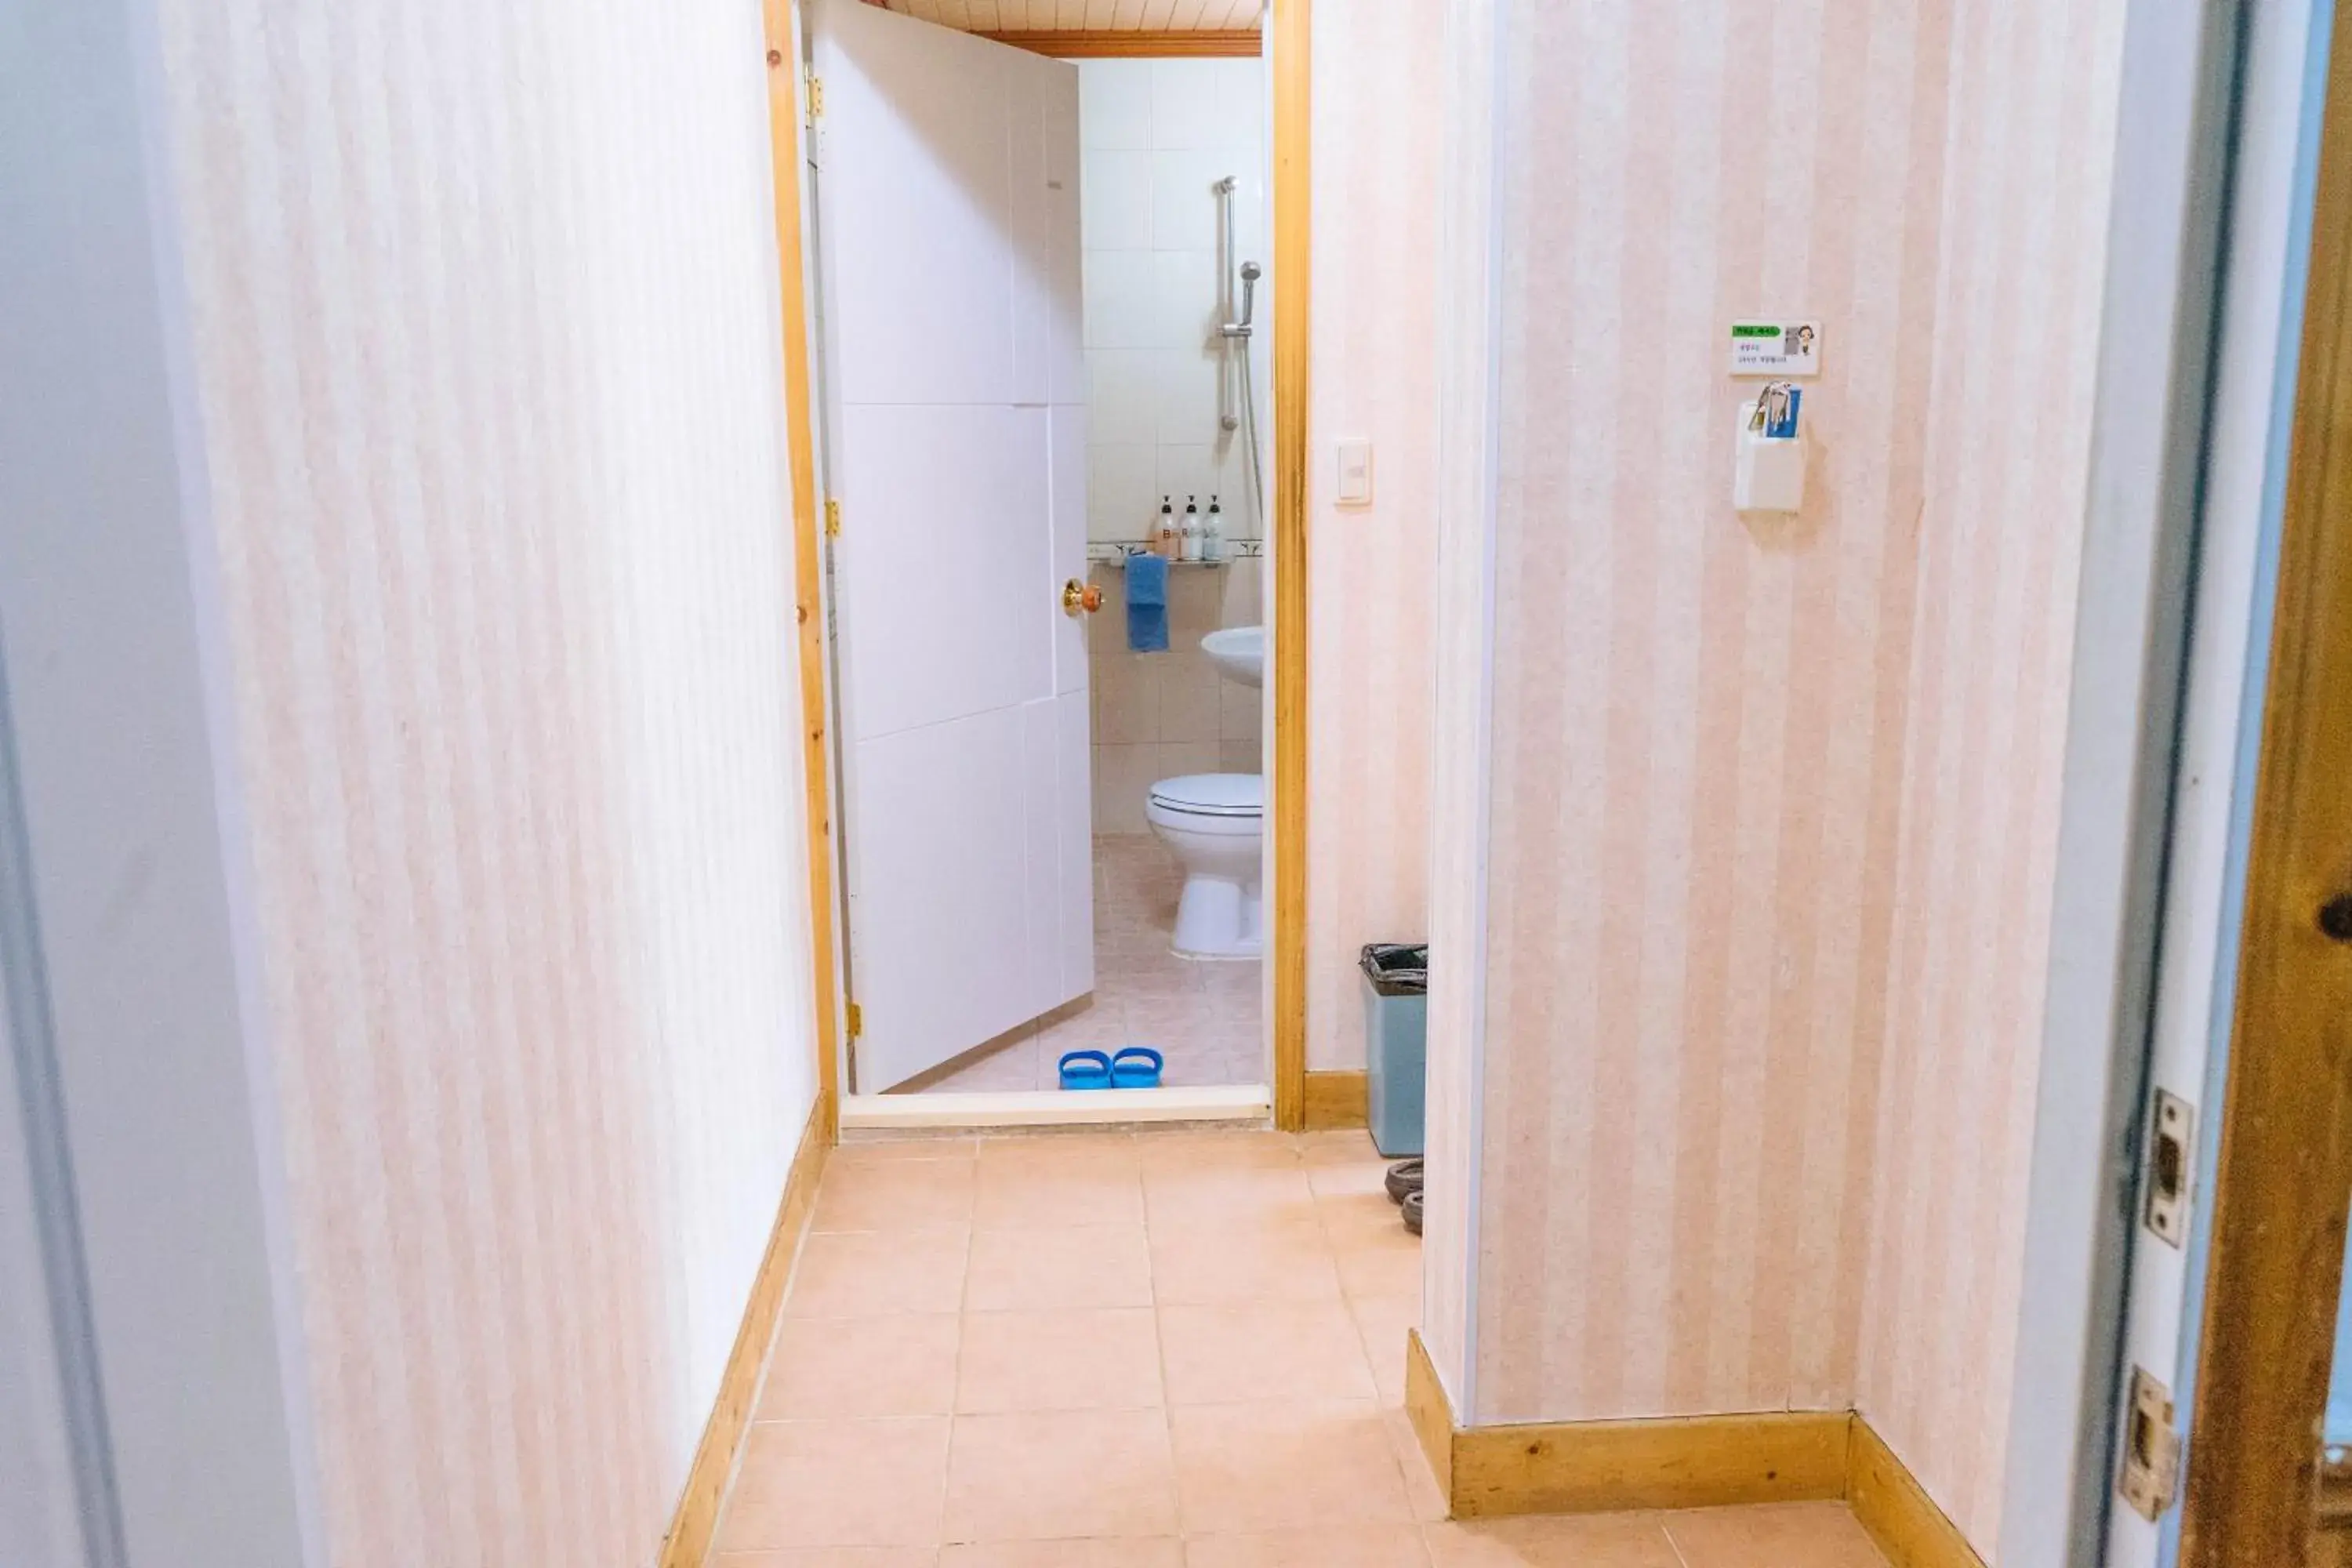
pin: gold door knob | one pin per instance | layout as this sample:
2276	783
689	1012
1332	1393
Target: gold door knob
1080	598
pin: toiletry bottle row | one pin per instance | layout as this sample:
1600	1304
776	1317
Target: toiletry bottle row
1195	537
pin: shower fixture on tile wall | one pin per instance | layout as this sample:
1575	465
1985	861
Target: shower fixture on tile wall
1234	330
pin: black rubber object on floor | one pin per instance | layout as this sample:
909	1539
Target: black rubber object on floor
1403	1177
1412	1211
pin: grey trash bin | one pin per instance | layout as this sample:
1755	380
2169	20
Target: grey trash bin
1396	1043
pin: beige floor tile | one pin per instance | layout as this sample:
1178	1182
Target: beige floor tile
1382	1323
1589	1540
869	1273
1367	1213
1348	1179
1193	1264
1101	1028
1243	1468
884	1151
1082	1266
838	1483
1114	1150
899	1194
1013	1064
833	1557
1061	1474
1034	1197
1262	1350
1422	1494
1163	1551
1338	1546
1182	1029
1785	1535
1209	1197
1195	1056
840	1368
1169	984
1194	1153
1103	1358
1238	1018
1347	1148
1382	1263
1229	978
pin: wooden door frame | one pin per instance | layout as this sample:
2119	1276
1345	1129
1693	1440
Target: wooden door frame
1288	51
784	123
1288	48
2280	1200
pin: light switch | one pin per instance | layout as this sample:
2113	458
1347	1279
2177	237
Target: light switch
1355	473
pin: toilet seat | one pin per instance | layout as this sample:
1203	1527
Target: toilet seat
1235	796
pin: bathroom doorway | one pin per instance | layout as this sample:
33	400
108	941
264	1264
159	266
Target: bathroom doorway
1042	292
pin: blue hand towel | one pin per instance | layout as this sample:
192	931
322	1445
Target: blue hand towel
1147	604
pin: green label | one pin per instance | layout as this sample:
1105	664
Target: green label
1753	332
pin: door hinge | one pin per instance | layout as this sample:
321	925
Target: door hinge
831	519
2167	1158
2151	1468
856	1020
815	96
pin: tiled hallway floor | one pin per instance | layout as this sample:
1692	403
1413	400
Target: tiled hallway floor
1203	1017
1164	1350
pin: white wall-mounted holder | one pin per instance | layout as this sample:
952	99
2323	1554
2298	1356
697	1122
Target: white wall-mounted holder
1354	486
1768	470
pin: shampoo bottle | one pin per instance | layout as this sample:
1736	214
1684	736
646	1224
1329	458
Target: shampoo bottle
1164	536
1190	546
1212	532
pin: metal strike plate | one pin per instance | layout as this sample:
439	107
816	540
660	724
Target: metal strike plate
2171	1157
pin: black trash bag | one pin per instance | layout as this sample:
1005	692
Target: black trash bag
1397	968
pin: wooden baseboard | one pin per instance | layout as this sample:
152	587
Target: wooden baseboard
1694	1461
1430	1412
696	1519
1337	1100
1911	1530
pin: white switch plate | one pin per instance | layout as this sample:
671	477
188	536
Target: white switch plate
1355	473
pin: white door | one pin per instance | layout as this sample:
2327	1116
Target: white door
948	223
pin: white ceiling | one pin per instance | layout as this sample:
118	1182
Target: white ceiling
1086	16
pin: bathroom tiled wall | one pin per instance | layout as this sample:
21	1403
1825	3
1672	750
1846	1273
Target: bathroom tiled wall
1157	715
1156	136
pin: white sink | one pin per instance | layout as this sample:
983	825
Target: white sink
1239	654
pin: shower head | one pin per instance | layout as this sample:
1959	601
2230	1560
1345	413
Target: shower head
1250	275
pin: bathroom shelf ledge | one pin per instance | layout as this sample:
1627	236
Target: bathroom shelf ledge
1115	553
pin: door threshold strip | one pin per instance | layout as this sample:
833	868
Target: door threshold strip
1055	1108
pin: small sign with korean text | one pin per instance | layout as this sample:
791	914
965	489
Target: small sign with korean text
1782	348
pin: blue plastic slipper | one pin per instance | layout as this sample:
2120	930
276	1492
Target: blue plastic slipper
1088	1070
1136	1067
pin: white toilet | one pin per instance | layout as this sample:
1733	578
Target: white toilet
1215	822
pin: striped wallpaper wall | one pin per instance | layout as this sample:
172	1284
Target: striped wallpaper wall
2033	95
1461	581
485	342
1697	716
1376	131
1771	803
